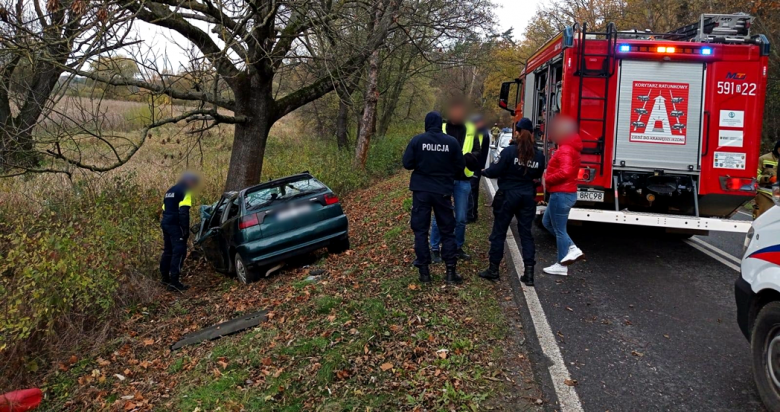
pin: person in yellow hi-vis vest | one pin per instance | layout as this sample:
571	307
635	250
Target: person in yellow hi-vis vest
175	225
468	138
767	176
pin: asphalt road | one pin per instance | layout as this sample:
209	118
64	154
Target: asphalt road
647	322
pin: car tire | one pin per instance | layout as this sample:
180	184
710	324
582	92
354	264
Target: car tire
765	347
244	273
339	246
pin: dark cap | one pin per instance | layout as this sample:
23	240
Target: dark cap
525	124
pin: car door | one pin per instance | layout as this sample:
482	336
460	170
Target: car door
211	241
228	227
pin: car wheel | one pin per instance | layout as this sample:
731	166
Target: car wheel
339	246
244	273
765	345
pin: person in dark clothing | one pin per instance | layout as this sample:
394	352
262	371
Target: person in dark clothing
520	165
484	138
175	224
435	160
465	133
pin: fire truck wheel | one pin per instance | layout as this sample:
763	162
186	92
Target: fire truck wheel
765	345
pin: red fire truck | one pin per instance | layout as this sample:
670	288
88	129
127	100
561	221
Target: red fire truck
671	122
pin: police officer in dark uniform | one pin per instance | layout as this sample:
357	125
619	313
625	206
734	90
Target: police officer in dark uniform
175	224
519	166
435	159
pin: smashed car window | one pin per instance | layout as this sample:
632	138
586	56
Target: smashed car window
281	192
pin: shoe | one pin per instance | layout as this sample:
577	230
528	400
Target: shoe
461	255
436	256
574	255
175	285
453	278
425	274
491	273
166	280
528	276
557	269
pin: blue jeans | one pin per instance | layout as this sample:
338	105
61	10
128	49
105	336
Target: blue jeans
460	196
556	217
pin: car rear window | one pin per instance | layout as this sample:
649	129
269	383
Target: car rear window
282	192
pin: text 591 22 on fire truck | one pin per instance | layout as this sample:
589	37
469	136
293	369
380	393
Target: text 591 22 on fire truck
671	122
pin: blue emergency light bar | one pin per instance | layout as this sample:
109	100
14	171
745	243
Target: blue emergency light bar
680	49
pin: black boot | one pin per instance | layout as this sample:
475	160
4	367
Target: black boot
436	256
528	276
453	278
166	279
462	255
491	273
425	274
176	285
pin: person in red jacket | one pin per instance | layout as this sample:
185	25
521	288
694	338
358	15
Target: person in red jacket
560	180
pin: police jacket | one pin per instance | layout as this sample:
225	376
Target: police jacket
470	141
515	176
434	157
176	207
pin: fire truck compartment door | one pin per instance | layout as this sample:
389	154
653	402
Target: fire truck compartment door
659	115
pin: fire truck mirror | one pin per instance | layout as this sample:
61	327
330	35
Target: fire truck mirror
509	95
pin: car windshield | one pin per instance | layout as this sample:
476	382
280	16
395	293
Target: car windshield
282	192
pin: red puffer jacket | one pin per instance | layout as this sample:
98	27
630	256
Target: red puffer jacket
564	166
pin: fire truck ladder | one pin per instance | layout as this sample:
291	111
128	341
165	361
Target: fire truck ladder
604	73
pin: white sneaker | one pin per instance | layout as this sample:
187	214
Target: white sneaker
557	269
574	255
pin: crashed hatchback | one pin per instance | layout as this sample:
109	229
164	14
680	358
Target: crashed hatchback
252	232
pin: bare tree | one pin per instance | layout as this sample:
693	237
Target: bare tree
39	41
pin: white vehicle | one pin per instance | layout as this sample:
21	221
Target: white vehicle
757	293
495	149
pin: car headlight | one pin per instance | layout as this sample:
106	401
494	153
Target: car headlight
748	239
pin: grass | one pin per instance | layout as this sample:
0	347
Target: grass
86	248
367	336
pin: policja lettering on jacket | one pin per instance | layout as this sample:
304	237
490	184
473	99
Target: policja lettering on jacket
430	147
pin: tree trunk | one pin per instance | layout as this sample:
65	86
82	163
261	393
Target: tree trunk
254	101
369	112
342	123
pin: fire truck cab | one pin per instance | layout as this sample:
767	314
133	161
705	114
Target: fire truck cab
670	122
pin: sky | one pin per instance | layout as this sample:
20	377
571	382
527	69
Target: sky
516	13
510	14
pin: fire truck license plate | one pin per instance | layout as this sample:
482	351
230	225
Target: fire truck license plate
590	196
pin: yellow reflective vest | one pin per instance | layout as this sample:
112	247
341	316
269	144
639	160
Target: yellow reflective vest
468	142
767	173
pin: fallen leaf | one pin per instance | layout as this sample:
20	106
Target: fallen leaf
223	364
635	353
386	366
120	377
73	359
570	382
148	342
129	406
412	286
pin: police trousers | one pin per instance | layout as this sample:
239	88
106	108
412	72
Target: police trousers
423	203
175	250
506	205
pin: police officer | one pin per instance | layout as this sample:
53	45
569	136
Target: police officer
518	167
469	140
435	159
175	226
767	176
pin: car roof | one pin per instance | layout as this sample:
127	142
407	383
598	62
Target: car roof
275	182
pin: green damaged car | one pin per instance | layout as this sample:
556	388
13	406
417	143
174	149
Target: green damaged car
253	232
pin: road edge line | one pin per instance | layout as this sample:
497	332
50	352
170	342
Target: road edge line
711	254
717	250
567	395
